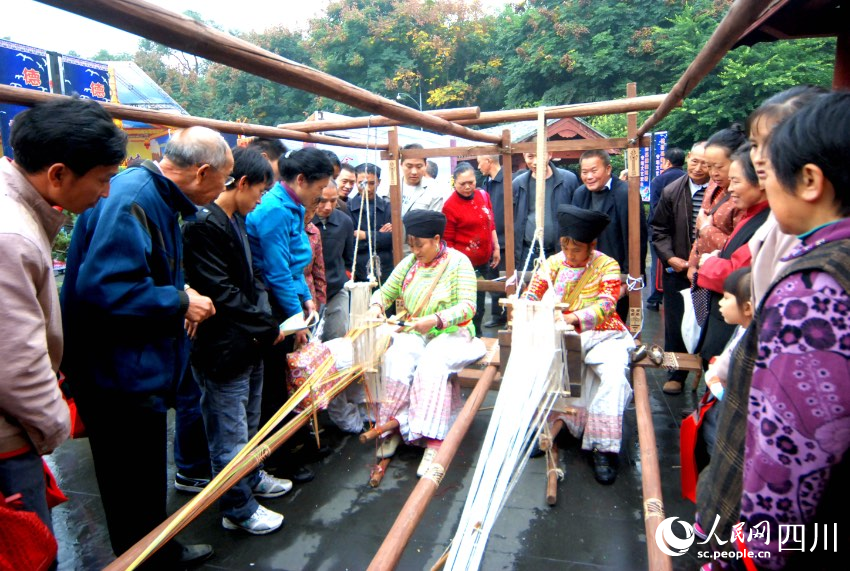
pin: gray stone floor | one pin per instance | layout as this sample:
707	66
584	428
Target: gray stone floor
337	522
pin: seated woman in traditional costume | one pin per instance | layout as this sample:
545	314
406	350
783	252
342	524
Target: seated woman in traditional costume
437	285
588	281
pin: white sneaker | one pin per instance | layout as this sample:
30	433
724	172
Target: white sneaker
261	522
389	445
271	487
427	460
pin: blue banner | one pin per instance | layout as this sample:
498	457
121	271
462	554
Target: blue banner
24	67
659	149
89	79
644	174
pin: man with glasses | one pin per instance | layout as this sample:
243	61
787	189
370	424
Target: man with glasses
126	313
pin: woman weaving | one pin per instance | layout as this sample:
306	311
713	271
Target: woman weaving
437	286
588	282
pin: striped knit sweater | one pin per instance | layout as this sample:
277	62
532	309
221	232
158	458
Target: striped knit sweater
453	299
596	305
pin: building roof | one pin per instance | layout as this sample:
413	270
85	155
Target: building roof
790	19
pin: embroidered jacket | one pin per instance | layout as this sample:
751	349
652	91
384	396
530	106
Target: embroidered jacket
596	304
453	299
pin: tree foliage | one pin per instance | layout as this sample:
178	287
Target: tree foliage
534	52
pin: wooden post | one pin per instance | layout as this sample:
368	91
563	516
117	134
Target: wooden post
391	549
650	474
31	97
183	33
395	197
635	204
508	189
841	71
373	433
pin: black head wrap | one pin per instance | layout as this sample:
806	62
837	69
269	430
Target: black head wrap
580	224
424	223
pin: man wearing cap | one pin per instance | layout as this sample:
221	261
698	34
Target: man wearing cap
437	285
588	281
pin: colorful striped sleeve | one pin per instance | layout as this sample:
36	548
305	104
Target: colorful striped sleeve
464	291
539	284
607	293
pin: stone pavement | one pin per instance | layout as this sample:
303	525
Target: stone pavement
337	522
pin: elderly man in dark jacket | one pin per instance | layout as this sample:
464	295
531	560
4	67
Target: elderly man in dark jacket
124	307
603	193
560	186
672	235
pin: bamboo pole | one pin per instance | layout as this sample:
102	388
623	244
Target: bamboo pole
183	33
540	178
31	97
635	205
373	433
411	513
643	103
395	197
740	17
552	146
376	120
508	189
650	475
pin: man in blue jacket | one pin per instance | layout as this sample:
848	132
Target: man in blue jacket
560	186
125	305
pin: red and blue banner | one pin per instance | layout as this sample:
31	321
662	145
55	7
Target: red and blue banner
24	67
89	79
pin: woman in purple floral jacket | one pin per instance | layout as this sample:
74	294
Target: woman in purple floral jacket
798	431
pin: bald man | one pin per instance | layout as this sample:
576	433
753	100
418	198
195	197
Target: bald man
126	313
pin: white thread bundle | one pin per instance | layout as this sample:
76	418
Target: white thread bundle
527	392
366	343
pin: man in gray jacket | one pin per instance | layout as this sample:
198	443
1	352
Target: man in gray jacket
65	152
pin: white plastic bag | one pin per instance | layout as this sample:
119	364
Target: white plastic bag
690	328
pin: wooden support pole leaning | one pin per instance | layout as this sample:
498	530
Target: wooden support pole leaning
643	103
183	33
376	120
742	14
391	549
540	178
507	187
395	196
650	474
30	97
635	204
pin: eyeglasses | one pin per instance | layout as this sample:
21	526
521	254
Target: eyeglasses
229	181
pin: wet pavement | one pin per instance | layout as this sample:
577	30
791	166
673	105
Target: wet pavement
337	522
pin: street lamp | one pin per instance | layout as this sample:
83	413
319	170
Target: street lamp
401	95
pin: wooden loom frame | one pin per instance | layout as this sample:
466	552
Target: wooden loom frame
190	36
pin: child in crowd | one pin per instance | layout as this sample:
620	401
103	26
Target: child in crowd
699	430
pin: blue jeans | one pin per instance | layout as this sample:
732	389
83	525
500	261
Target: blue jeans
191	452
24	474
232	416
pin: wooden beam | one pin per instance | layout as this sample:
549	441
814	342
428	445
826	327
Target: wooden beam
553	146
31	97
643	103
376	121
635	204
740	17
650	474
395	197
183	33
392	548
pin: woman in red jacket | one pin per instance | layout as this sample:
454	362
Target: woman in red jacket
471	229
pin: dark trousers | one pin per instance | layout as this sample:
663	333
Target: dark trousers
655	296
481	271
275	394
24	474
674	312
191	452
493	273
128	438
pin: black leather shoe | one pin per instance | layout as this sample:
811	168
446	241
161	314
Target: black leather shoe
302	475
604	467
195	554
497	322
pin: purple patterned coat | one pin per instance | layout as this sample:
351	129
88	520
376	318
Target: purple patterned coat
799	405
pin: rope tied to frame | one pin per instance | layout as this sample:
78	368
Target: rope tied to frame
653	507
435	473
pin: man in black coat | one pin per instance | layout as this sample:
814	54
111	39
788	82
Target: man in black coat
602	193
671	167
380	224
560	186
672	235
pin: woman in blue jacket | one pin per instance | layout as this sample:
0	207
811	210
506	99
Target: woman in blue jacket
281	251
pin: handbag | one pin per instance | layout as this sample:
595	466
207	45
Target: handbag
701	301
25	542
691	330
78	430
688	441
302	364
